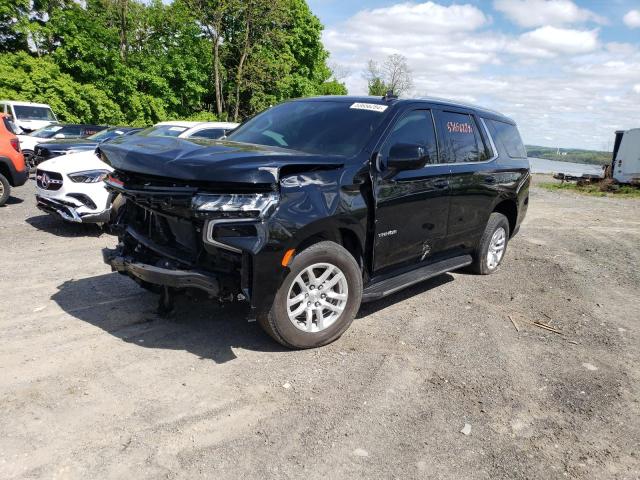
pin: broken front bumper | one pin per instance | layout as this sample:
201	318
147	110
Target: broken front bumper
68	211
167	277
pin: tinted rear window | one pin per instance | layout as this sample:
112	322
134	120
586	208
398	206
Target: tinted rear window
509	137
462	139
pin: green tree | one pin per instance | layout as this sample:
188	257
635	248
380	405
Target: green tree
14	19
394	75
153	61
40	80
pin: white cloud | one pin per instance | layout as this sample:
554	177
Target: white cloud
420	18
536	13
545	78
547	41
632	19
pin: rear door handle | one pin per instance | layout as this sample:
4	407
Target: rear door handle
489	179
441	184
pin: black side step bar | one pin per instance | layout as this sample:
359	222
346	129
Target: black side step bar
391	285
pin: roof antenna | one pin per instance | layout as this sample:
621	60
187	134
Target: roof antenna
389	96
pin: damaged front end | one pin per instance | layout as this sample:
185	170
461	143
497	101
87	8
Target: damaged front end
178	236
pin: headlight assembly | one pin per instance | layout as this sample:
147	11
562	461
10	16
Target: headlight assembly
89	176
236	205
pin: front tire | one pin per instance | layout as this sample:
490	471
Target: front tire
318	299
5	190
492	247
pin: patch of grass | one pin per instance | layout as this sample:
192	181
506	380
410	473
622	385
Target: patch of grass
576	155
602	189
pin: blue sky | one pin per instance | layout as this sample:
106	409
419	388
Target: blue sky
567	71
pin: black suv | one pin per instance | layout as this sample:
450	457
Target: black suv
318	204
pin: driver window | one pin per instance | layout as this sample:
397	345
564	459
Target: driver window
414	128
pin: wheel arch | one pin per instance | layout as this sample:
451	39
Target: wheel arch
509	208
343	236
6	171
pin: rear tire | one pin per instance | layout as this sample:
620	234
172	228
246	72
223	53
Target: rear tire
5	190
323	317
492	247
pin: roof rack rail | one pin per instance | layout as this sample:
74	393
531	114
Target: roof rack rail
389	96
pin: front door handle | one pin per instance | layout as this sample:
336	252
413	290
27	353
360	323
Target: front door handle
440	184
489	179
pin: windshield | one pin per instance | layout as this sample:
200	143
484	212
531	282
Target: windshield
46	132
107	134
28	112
329	127
164	131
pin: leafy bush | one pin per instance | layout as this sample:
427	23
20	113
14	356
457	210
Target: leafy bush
40	80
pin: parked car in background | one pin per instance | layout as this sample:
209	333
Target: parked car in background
54	148
318	204
72	188
208	130
59	145
28	116
13	171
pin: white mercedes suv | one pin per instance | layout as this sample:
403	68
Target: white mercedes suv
72	187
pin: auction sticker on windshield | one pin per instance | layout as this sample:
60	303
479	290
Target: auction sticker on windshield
373	107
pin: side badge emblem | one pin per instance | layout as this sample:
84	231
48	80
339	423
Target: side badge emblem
426	249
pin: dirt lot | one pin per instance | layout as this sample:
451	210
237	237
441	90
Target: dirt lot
95	385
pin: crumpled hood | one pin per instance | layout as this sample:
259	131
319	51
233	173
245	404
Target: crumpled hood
209	161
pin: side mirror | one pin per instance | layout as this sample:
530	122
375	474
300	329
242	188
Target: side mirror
58	135
404	156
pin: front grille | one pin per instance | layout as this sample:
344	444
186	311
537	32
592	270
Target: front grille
176	237
48	180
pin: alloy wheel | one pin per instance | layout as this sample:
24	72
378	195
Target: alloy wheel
496	248
317	297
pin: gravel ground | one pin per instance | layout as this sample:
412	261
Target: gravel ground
95	385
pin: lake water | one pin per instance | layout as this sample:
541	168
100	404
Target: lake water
542	165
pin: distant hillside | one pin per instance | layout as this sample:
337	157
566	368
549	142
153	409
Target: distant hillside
592	157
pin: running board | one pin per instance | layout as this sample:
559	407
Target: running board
391	285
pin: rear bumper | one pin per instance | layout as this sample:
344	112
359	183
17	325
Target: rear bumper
20	178
68	211
16	178
161	276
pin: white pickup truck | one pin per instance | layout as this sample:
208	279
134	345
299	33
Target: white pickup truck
28	116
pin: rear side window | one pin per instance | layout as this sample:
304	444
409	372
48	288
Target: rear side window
462	139
508	135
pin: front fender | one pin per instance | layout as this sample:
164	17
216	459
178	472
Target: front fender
313	205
